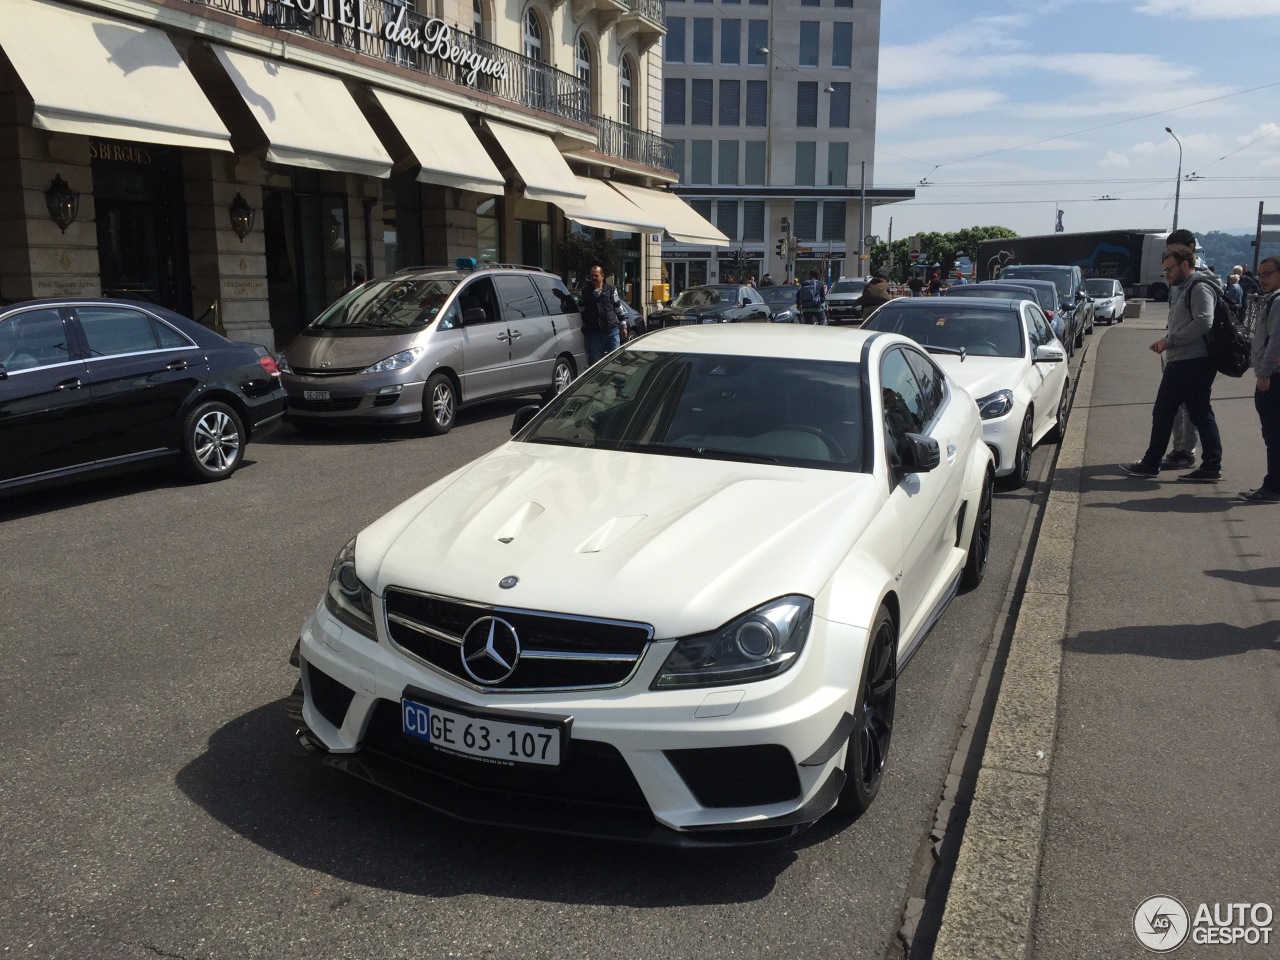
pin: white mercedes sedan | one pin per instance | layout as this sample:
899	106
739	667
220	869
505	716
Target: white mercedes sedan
673	608
1005	354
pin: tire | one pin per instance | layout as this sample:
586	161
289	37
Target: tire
1021	457
975	562
213	440
1064	409
868	748
1158	292
561	376
439	405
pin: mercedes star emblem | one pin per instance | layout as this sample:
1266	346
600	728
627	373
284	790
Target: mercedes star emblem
490	650
506	583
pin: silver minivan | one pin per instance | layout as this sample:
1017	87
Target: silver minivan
417	346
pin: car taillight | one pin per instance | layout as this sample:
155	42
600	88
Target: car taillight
270	366
1050	313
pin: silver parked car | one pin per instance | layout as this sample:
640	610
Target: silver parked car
416	346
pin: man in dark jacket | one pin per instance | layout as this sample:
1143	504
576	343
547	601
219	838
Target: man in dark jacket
602	322
874	294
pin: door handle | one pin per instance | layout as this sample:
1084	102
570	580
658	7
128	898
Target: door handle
177	365
503	337
72	384
515	334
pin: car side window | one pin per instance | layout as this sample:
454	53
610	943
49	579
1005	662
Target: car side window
558	300
933	388
112	331
33	338
903	404
520	300
478	294
449	318
1041	332
170	339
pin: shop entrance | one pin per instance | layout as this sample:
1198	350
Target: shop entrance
684	274
308	265
142	223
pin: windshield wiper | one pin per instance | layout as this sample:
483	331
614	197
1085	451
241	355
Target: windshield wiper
949	351
675	450
564	441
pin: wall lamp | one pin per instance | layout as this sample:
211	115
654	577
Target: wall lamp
63	203
765	52
242	216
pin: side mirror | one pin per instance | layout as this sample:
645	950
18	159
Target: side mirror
1045	353
746	301
474	315
921	455
523	416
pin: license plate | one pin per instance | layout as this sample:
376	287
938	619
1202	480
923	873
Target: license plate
315	394
484	738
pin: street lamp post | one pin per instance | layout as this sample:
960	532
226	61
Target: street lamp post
1177	187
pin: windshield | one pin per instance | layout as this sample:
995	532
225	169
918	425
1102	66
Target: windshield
1100	288
789	412
977	292
847	286
1061	278
776	295
391	304
703	296
981	333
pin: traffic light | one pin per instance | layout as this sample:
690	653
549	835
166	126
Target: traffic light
780	249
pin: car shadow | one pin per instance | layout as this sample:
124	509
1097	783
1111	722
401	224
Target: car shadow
257	780
1188	641
342	434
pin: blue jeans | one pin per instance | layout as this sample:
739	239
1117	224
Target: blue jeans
814	316
601	343
1267	403
1187	382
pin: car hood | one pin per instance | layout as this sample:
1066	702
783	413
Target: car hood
711	310
682	544
842	297
981	376
346	350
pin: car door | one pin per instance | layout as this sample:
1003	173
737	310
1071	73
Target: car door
1048	379
141	372
566	321
532	339
759	309
44	396
486	345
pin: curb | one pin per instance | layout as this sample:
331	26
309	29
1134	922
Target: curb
991	901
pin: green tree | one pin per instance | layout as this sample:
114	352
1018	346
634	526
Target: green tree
940	248
577	253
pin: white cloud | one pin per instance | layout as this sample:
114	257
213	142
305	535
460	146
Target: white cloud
897	112
1211	9
1113	159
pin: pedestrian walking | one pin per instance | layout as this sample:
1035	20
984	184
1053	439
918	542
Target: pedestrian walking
1188	372
874	294
916	285
1234	294
1185	441
766	281
602	322
959	281
936	286
1266	368
811	299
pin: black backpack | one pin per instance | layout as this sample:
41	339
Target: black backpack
810	295
1228	341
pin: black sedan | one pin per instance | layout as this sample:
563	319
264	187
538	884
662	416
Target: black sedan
106	385
713	303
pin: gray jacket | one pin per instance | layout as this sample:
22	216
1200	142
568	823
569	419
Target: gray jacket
1190	320
1266	338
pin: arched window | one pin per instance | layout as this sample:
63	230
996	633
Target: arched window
532	36
624	97
583	64
477	19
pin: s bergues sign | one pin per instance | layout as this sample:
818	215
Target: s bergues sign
433	37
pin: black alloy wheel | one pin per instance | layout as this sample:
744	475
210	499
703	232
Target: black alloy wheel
1021	456
1059	430
975	563
868	749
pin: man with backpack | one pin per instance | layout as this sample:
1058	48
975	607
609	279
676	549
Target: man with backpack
1266	370
811	300
1188	372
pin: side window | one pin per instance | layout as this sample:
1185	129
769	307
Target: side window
33	338
520	301
111	331
1041	332
168	337
478	295
933	389
449	319
555	296
902	402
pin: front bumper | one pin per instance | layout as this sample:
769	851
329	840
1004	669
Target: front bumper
1001	436
379	397
721	765
841	312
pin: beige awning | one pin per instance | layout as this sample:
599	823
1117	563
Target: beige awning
681	220
309	119
444	144
100	77
545	174
606	209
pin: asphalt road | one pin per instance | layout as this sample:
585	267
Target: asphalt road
155	803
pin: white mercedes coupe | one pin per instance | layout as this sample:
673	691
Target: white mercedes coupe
674	606
1004	352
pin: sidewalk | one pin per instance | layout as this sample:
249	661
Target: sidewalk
1160	772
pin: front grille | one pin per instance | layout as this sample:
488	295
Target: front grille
324	406
738	776
557	651
590	771
330	697
326	371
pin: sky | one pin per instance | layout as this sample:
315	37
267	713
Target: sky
1000	112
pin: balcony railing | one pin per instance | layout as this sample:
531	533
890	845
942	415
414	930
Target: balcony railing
431	47
649	9
618	140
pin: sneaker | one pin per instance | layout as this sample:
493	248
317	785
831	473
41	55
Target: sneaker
1261	495
1140	469
1178	460
1203	475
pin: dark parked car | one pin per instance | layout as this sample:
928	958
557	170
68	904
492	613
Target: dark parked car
105	385
781	301
1072	297
713	303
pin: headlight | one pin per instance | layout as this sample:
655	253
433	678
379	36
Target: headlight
761	643
283	364
395	362
995	405
346	597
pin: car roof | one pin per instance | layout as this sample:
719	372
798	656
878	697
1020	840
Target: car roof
953	304
843	344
